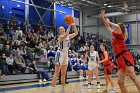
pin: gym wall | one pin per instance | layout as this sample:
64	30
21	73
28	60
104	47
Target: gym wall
45	14
8	8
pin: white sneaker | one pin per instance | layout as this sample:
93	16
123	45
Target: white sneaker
98	86
113	90
44	80
40	81
93	77
80	77
89	86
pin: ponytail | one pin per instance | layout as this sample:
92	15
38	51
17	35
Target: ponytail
125	34
124	30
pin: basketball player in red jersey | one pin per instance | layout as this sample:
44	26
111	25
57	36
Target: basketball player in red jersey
61	57
108	67
123	56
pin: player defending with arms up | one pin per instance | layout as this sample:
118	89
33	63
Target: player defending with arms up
123	56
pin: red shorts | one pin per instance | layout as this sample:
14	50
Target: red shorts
126	59
108	69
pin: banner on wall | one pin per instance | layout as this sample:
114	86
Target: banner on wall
76	14
128	41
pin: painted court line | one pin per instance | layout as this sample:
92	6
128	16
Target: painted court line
38	85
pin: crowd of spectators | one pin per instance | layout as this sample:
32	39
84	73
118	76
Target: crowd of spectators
19	43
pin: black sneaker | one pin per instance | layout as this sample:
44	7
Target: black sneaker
67	82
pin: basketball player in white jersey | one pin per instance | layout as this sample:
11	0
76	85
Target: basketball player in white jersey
62	53
93	59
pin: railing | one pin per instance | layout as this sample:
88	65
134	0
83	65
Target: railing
4	20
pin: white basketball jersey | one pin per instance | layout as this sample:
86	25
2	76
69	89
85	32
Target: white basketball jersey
65	44
93	56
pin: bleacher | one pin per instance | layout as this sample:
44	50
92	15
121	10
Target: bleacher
14	79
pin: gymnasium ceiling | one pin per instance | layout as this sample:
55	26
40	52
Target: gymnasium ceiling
96	5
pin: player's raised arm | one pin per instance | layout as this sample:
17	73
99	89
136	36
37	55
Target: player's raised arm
75	32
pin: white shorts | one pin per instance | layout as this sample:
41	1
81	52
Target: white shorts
92	65
62	58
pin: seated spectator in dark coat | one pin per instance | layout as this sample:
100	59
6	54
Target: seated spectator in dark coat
7	51
32	67
3	65
41	74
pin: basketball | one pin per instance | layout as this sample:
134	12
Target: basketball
68	19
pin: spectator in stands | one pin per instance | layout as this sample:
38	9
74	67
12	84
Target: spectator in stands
137	64
30	28
41	30
14	26
74	63
34	42
18	32
7	51
1	31
83	69
23	27
50	35
82	49
13	18
51	52
3	65
41	44
10	63
20	64
32	67
28	38
51	56
41	74
11	32
6	26
21	51
25	52
81	41
29	32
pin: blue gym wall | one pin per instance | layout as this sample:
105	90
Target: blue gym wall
60	16
128	41
76	14
33	16
12	8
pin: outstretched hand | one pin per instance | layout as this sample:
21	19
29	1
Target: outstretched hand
102	13
73	24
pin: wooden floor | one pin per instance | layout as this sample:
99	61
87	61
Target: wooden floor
74	86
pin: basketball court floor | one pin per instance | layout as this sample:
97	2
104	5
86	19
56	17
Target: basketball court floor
74	86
